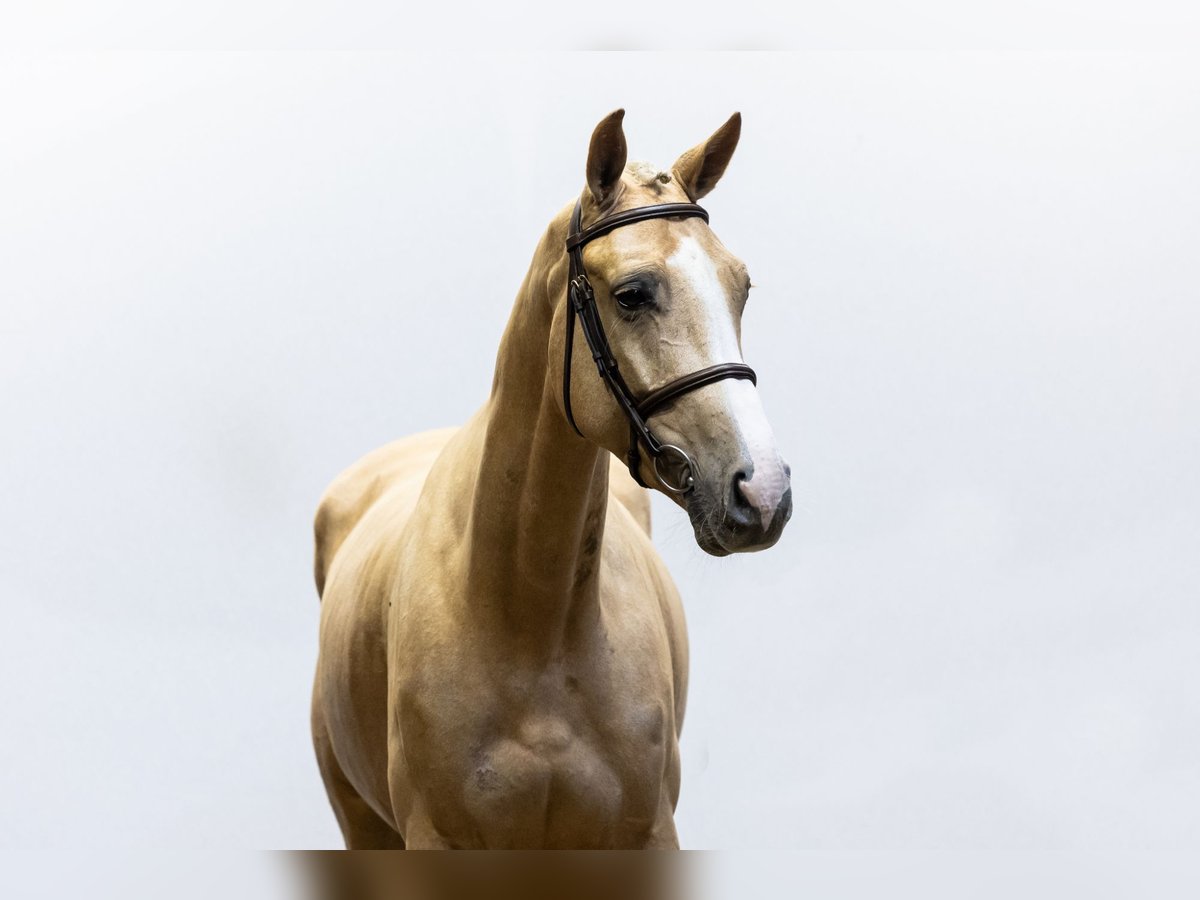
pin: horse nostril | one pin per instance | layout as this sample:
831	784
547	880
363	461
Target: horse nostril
741	506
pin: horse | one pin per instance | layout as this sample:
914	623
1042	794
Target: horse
503	658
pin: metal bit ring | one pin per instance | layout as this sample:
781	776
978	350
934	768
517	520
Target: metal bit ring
689	480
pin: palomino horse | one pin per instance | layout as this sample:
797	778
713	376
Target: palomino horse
503	657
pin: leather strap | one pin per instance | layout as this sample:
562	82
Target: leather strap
567	363
629	216
581	306
660	397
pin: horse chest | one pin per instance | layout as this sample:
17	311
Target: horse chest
540	767
544	786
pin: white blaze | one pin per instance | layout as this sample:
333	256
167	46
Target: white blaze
769	480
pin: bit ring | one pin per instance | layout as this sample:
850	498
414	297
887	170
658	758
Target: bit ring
689	480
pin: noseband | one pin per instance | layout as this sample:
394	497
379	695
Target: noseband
582	305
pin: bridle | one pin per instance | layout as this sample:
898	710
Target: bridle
582	305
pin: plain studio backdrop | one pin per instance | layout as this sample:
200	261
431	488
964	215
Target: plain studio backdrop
225	277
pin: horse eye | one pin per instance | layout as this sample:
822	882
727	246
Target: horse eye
633	297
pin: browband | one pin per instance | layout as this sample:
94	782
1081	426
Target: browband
638	214
581	305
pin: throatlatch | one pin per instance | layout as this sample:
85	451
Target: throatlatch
581	304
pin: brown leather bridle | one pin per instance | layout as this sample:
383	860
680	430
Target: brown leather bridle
582	305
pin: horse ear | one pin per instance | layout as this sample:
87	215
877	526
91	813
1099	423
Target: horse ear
606	158
700	168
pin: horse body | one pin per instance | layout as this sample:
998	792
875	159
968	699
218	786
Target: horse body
503	659
514	745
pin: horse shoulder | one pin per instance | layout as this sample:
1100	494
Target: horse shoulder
352	493
629	535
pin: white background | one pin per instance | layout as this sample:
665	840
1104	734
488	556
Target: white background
224	277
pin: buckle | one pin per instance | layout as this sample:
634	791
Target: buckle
581	291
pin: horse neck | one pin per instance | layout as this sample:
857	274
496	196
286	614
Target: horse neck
539	503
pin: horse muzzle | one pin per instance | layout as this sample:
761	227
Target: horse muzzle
743	515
